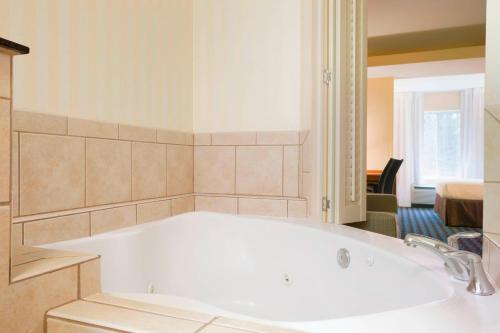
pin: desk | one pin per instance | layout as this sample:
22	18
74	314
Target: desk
373	176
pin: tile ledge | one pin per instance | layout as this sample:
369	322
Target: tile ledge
43	216
30	262
248	196
78	312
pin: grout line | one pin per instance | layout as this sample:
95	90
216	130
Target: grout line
157	313
84	324
205	325
81	210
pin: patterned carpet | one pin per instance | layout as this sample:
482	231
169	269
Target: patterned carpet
425	221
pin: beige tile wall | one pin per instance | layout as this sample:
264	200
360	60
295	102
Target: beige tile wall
251	173
23	304
74	178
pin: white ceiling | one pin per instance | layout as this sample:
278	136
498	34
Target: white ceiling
425	69
440	83
388	17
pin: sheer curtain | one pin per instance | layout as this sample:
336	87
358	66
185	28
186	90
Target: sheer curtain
408	119
472	132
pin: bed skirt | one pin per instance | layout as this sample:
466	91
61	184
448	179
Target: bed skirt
460	212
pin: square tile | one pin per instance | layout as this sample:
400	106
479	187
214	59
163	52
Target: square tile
90	278
278	138
109	178
112	219
214	169
92	129
62	326
202	139
182	205
262	207
307	162
39	123
297	208
174	137
136	133
5	146
153	211
216	204
179	169
5	75
149	170
234	138
123	319
25	303
259	170
291	171
151	308
5	235
17	236
57	229
52	173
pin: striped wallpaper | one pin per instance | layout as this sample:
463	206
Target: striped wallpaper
122	61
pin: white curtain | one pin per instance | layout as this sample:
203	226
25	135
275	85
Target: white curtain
472	132
408	117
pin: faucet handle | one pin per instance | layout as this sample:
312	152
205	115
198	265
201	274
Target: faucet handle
479	282
453	239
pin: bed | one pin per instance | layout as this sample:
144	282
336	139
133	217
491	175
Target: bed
460	203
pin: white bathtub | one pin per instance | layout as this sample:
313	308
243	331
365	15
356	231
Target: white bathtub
285	273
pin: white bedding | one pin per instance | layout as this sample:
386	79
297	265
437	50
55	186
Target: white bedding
464	189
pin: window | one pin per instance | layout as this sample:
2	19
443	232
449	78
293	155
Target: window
440	153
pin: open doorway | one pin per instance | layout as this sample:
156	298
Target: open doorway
425	101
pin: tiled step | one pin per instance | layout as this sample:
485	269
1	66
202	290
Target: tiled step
101	313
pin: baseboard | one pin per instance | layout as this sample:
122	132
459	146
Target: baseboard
421	206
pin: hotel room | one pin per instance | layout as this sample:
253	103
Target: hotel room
425	110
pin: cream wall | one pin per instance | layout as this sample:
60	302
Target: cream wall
491	223
252	62
123	61
380	114
445	100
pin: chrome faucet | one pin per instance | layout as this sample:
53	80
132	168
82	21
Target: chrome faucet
453	239
462	265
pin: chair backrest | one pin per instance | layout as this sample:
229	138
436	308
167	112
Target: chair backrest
386	182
